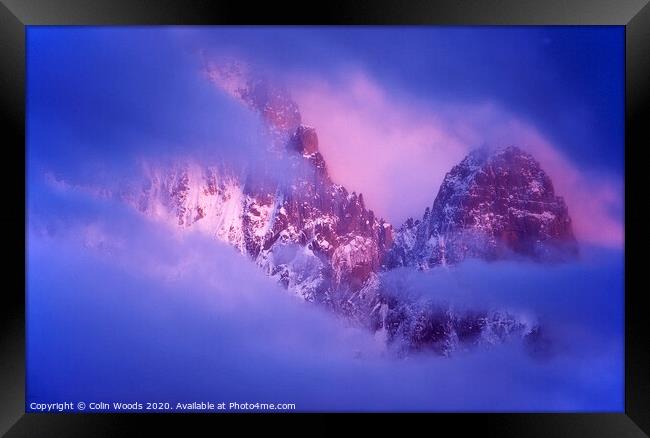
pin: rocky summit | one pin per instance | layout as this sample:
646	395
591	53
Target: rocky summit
323	244
495	204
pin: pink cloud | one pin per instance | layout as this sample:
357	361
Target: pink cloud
396	150
395	154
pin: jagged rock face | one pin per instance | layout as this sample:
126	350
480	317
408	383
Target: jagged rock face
322	243
493	205
332	225
312	235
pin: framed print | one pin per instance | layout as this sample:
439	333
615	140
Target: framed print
413	209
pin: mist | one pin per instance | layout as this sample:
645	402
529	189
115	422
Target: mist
105	102
122	309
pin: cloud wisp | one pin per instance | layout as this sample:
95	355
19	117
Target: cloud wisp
396	149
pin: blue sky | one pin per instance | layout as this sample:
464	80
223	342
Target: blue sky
566	80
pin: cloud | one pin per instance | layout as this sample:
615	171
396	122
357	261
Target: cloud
582	298
397	148
120	309
373	143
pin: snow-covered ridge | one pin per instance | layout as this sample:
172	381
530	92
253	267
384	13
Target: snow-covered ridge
325	246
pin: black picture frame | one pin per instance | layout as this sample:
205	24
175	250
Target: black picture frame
16	14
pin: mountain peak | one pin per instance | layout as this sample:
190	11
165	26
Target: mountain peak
322	243
495	204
